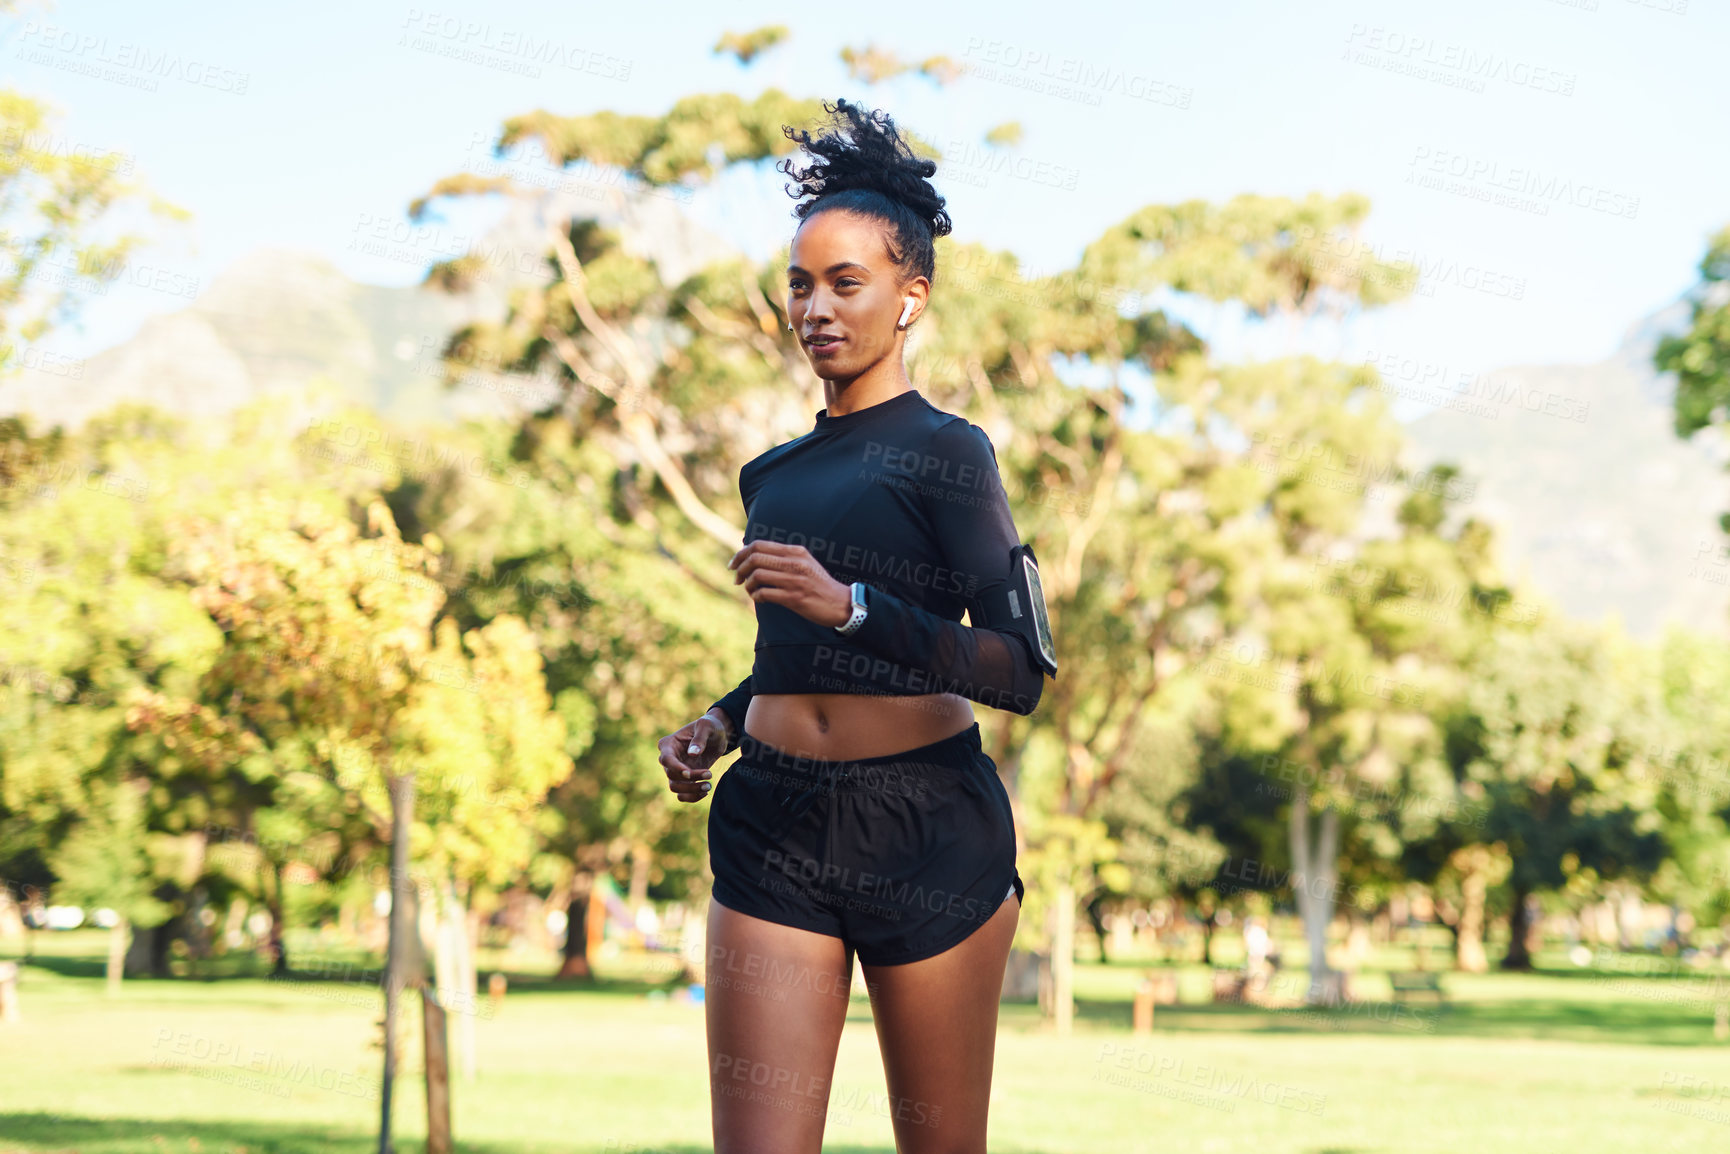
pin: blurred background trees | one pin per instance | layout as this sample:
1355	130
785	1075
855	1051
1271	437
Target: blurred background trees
1289	655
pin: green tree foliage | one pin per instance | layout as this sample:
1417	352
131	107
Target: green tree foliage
254	631
54	198
1687	764
1700	357
332	673
747	46
103	863
1150	538
1554	735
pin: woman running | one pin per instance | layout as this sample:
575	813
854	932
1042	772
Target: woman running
863	816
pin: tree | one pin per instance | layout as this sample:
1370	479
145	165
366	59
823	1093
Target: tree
1353	637
1683	773
646	364
103	863
489	747
1191	528
53	202
58	244
1700	357
86	622
615	550
326	646
1552	734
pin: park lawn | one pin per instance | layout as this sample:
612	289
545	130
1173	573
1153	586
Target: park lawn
1563	1060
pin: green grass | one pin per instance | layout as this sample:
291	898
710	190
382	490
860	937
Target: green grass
1565	1059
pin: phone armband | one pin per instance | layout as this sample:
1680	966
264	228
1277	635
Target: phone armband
1019	606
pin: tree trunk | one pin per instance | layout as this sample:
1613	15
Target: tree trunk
1357	938
1589	925
11	915
234	925
446	983
438	1081
471	982
457	988
119	938
576	963
1063	958
137	960
1520	927
638	897
1606	915
1629	916
1094	919
1469	933
402	815
278	942
1314	879
147	953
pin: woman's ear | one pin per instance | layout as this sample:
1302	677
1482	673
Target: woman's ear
918	292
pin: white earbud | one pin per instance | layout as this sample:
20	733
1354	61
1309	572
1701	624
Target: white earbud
905	313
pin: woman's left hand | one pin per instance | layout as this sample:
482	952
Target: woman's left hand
783	574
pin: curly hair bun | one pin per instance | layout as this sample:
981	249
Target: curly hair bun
863	164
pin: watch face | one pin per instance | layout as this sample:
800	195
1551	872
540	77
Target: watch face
1041	622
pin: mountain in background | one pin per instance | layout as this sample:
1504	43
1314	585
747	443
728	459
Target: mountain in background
1596	501
278	317
1594	497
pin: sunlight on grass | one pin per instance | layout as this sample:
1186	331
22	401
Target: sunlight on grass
1552	1061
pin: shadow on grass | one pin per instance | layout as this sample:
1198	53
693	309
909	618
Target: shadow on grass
244	967
1627	1022
1645	967
1651	1011
1360	1018
140	1135
1630	1021
59	1132
68	967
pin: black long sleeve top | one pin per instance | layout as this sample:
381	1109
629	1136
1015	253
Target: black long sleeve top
908	499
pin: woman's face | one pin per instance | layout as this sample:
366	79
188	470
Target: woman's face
842	286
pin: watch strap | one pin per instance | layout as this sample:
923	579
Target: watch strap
857	618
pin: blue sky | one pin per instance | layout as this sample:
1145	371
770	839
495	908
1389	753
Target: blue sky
1555	168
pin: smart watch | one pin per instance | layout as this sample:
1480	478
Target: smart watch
847	628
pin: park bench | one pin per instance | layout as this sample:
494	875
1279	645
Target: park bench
1417	982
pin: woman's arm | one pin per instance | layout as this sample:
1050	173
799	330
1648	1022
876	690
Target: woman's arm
733	707
985	662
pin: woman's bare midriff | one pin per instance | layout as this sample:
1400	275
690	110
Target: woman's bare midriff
835	726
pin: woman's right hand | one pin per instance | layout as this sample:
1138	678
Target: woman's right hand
688	772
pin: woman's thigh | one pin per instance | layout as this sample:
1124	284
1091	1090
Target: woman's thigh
775	1000
937	1026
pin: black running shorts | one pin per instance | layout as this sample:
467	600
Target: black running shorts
900	856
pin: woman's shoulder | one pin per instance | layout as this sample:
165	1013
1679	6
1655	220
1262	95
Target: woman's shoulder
945	431
753	472
959	437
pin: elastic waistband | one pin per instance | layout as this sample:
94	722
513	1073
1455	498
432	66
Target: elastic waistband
951	750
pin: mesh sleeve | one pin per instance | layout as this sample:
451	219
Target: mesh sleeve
964	499
734	705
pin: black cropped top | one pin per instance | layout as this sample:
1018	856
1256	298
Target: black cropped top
908	499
